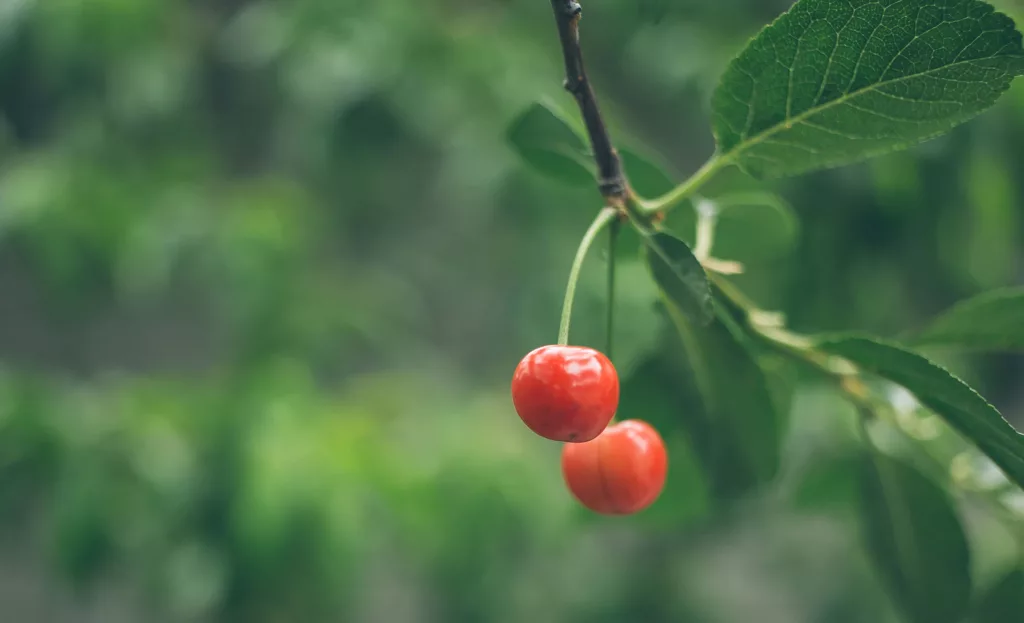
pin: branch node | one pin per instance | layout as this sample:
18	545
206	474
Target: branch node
612	187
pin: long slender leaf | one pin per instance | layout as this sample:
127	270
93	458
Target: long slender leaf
993	321
943	393
679	275
548	142
916	541
739	434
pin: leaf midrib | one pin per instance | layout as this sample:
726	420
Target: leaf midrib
788	122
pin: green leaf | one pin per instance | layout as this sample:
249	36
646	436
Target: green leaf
679	275
916	541
828	486
783	380
659	392
754	226
647	177
835	81
992	321
943	393
550	144
1003	602
736	433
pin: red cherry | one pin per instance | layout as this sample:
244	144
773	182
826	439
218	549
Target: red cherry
566	393
619	473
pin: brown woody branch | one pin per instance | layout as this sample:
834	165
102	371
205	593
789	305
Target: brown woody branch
611	180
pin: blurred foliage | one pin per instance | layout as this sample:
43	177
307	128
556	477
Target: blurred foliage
265	268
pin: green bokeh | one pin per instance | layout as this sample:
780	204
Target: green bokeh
266	268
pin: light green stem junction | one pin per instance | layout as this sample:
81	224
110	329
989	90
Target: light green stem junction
604	217
685	190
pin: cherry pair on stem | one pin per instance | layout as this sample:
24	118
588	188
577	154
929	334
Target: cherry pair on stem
571	394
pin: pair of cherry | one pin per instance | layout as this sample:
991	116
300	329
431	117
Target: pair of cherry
571	394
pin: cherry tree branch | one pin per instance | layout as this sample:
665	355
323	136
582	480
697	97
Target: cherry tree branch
611	180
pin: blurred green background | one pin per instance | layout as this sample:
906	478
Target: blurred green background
266	269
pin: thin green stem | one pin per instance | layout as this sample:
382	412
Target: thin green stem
613	236
604	217
687	188
786	342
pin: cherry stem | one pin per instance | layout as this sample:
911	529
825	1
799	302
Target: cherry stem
604	217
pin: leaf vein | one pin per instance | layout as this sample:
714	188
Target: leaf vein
751	142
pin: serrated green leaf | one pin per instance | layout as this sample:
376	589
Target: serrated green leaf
1003	602
916	541
835	81
647	177
949	397
736	433
679	275
548	142
993	321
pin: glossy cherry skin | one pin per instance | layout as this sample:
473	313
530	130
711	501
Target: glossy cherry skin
566	393
621	472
